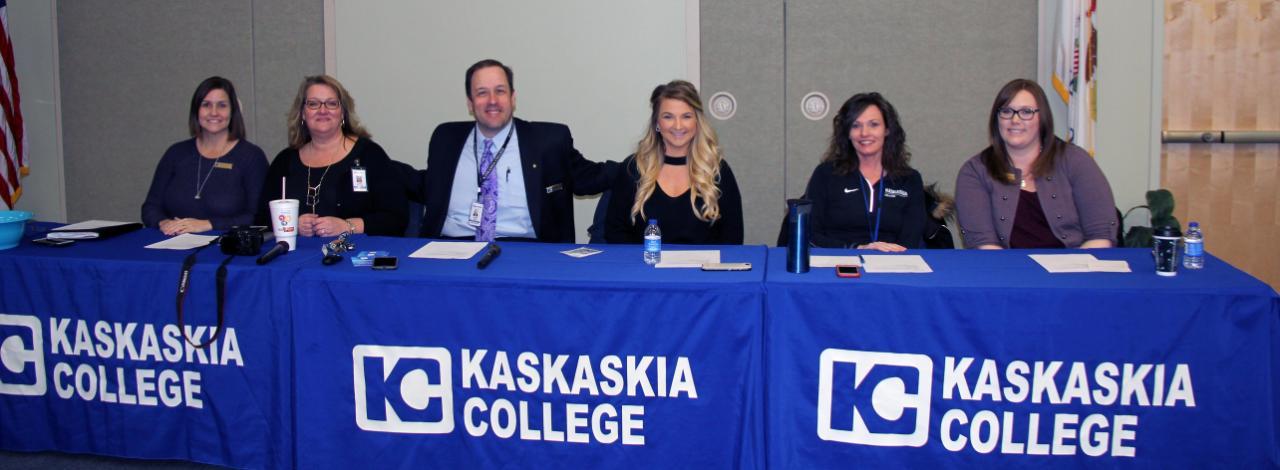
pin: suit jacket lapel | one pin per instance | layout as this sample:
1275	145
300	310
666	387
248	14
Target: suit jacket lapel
455	147
531	161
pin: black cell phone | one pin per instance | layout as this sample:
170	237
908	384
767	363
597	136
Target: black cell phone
53	242
848	271
385	262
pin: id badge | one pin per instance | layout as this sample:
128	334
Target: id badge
359	180
477	212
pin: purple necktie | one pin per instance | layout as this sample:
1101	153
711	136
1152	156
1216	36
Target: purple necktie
488	196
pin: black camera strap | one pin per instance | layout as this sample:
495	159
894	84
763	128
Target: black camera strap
184	283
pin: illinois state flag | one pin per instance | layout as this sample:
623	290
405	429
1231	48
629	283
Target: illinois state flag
13	147
1075	58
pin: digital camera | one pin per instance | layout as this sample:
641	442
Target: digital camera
242	240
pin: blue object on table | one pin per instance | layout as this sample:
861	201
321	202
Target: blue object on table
798	235
12	225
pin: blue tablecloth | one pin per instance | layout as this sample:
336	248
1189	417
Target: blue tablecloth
93	360
990	361
541	360
547	360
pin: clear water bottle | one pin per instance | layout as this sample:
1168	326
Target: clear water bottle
652	243
1193	247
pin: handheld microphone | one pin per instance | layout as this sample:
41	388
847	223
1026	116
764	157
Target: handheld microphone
489	255
281	248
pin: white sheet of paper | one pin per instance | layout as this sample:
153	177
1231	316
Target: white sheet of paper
449	250
90	225
816	261
895	264
1109	266
1069	263
687	258
185	241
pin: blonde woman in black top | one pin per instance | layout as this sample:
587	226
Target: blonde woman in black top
677	176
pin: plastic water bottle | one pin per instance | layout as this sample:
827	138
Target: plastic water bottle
1193	247
652	243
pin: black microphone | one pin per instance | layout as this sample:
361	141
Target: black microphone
281	248
489	256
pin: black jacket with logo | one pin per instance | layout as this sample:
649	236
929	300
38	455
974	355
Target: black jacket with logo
840	218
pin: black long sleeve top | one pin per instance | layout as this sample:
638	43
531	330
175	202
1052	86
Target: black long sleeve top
675	216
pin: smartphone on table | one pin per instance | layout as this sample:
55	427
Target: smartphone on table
848	270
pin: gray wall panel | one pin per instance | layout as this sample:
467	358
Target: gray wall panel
288	44
742	51
128	70
939	63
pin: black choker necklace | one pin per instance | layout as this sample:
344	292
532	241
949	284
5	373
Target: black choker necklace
670	160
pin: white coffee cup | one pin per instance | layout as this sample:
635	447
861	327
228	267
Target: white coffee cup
284	221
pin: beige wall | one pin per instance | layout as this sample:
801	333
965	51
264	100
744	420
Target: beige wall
1222	66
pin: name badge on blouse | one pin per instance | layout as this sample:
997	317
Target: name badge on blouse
477	212
359	180
222	165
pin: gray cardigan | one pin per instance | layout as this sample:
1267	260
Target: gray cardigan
1076	197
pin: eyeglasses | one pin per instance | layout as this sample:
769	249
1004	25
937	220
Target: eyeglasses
332	105
1023	114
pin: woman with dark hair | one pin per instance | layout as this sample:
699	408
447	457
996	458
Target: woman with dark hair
344	181
1030	189
210	181
865	193
677	176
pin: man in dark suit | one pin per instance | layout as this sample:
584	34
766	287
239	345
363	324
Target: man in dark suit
503	178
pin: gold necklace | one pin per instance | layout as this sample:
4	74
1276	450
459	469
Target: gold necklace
202	183
313	192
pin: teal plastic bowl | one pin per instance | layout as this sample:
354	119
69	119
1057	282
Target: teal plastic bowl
12	225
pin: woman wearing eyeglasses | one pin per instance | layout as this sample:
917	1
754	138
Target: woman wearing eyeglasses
343	180
1030	189
211	181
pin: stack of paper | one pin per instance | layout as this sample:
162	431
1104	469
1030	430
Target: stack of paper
1079	263
818	261
687	258
895	264
91	229
449	250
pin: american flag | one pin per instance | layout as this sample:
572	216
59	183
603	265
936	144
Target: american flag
13	138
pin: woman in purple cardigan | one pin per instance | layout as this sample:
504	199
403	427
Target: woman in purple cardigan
1030	189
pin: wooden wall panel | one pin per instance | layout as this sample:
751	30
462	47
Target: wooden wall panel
1221	70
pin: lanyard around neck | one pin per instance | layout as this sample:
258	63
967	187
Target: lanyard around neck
480	177
878	208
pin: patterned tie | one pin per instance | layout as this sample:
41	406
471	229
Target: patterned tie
488	196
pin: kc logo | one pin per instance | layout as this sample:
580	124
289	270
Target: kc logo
403	389
21	343
888	390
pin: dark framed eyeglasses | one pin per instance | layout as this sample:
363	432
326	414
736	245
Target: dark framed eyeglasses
1023	114
332	105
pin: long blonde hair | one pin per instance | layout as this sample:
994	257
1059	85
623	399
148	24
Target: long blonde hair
703	161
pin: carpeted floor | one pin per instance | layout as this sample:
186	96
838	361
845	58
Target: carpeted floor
60	461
